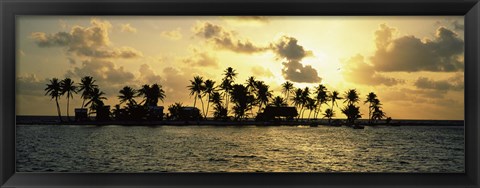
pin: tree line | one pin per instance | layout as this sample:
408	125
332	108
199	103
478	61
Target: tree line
227	97
93	97
255	93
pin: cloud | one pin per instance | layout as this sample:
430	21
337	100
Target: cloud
444	53
71	61
409	95
102	71
108	76
428	103
202	59
296	72
454	83
225	39
356	70
458	26
175	85
148	76
261	72
127	28
173	34
92	41
383	36
288	48
29	84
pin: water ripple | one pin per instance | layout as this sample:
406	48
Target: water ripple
239	149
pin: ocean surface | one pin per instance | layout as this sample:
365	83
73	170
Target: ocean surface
80	148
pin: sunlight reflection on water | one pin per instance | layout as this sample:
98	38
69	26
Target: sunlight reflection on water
239	149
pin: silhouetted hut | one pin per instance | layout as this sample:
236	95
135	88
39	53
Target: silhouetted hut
189	113
272	112
81	114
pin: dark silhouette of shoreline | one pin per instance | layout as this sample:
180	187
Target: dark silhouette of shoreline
53	120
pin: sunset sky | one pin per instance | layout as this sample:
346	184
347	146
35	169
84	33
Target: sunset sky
414	64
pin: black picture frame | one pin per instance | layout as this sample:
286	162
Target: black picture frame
9	9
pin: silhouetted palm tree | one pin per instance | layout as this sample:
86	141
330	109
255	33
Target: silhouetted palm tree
151	94
54	91
304	98
242	99
311	105
157	93
144	92
278	102
334	96
96	99
352	112
230	73
219	112
174	110
371	98
287	88
227	84
377	113
216	98
196	87
86	85
209	90
329	114
321	98
351	97
263	94
297	100
68	87
251	84
127	94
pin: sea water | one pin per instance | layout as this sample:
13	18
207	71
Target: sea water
81	148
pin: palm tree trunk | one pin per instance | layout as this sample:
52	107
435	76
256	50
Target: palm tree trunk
301	113
226	102
259	107
68	107
208	105
333	104
58	110
370	114
319	110
203	108
303	110
195	100
287	97
309	114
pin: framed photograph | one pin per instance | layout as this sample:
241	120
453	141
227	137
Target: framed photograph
239	93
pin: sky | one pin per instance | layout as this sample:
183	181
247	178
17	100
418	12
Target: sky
415	64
